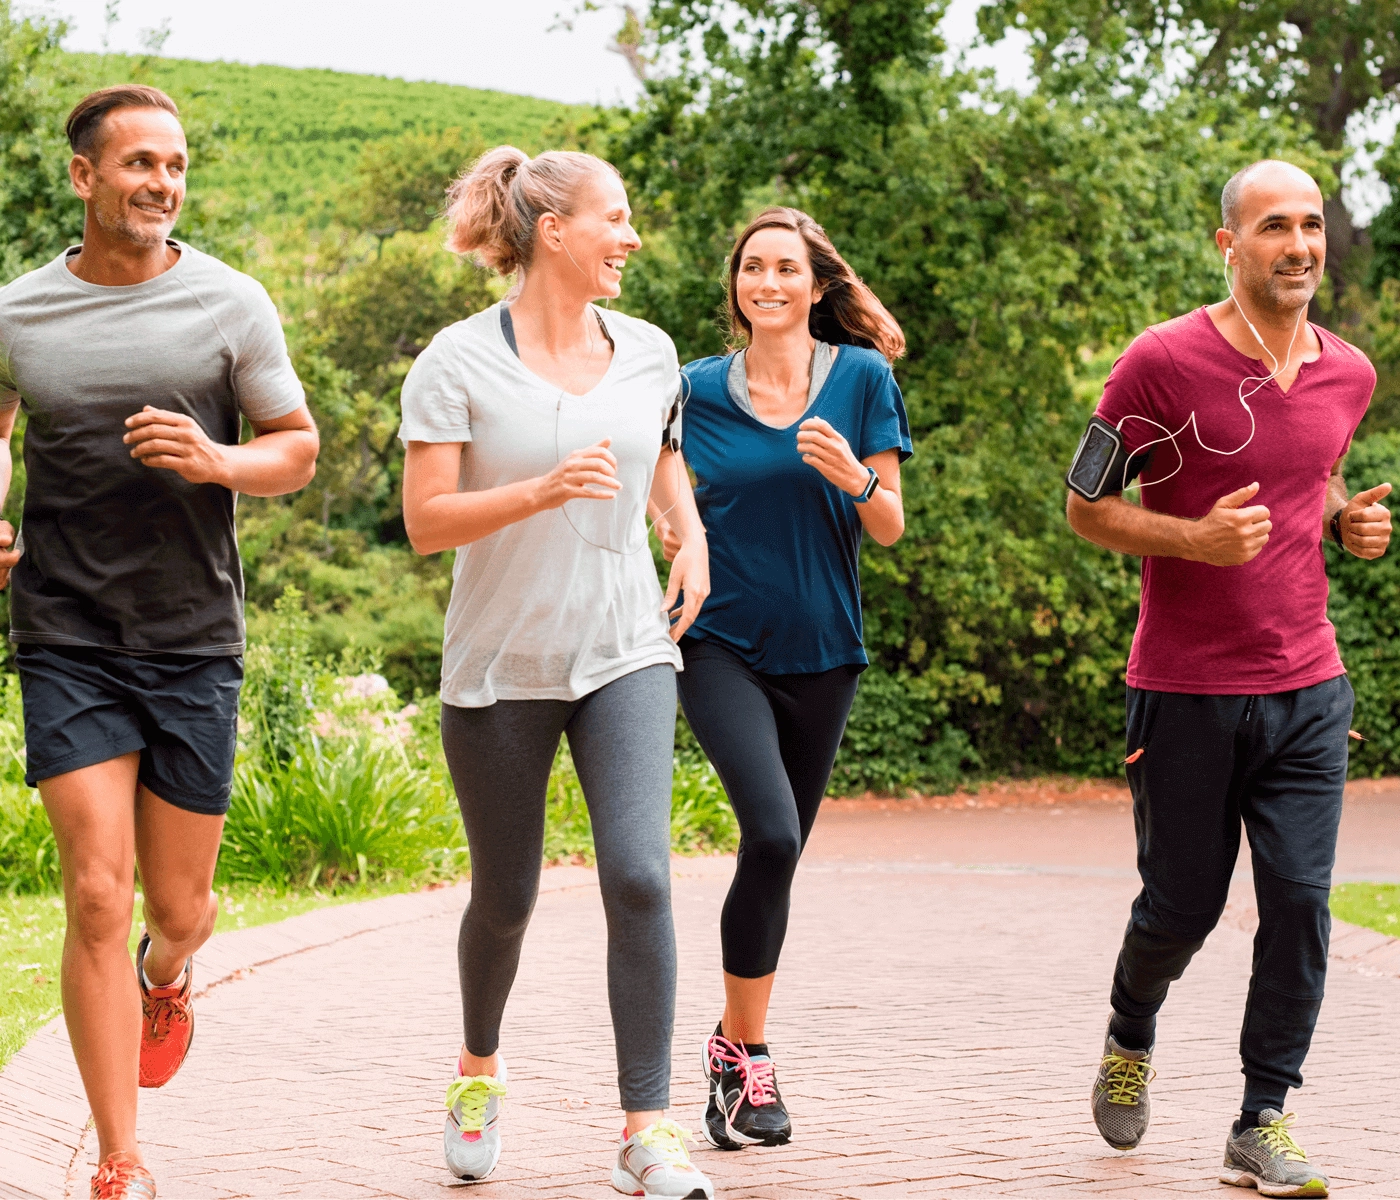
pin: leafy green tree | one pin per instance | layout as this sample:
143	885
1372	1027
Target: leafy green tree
369	320
1320	60
1011	236
1385	228
39	214
400	182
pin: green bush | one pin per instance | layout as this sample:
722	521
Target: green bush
1365	608
28	853
351	811
887	748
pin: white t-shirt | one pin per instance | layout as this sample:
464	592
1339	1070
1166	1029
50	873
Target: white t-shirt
564	602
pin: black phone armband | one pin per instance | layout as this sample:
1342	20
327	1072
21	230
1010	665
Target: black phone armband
1102	465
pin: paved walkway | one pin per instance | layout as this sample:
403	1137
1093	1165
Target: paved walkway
936	1023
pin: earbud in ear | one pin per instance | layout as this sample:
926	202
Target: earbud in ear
1229	254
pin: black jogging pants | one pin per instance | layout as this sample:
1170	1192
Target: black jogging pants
1276	764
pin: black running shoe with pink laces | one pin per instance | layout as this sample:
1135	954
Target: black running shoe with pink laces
745	1107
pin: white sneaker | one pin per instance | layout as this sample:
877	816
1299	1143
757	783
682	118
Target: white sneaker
654	1162
471	1139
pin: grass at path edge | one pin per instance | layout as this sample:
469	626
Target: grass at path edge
31	945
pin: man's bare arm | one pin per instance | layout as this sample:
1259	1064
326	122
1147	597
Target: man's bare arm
1228	535
280	457
9	411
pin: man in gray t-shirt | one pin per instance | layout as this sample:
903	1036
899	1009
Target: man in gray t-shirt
136	360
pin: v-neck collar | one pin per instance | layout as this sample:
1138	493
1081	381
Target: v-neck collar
1204	312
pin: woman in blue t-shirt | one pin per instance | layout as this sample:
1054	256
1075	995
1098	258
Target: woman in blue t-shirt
796	443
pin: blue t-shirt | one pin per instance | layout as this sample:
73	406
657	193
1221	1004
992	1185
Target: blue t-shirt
785	543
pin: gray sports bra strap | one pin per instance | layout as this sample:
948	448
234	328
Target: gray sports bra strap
739	379
508	330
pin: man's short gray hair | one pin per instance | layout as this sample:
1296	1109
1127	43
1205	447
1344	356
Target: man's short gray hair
1230	196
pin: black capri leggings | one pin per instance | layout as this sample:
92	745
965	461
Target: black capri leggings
773	740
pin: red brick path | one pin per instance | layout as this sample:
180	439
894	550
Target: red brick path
936	1025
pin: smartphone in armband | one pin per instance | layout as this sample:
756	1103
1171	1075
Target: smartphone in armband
1099	463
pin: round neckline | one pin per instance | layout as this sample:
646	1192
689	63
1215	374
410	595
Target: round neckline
540	380
171	273
837	356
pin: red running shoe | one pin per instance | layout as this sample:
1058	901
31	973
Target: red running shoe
122	1178
167	1024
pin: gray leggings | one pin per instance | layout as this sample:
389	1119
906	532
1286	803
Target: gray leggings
622	738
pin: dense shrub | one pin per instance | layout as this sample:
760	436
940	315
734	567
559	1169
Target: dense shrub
1365	608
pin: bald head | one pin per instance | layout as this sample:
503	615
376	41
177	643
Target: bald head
1259	184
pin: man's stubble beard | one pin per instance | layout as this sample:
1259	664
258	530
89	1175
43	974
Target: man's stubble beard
116	221
1267	294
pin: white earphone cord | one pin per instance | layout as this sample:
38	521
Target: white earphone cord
1258	380
682	397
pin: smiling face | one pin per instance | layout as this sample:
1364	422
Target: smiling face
774	285
135	188
1280	247
597	239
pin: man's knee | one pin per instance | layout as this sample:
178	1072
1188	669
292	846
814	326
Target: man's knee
99	906
187	919
1163	928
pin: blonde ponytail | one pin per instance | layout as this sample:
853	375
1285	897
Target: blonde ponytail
494	208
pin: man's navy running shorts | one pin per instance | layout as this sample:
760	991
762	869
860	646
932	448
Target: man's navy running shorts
84	705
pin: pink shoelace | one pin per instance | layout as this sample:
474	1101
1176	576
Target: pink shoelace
757	1077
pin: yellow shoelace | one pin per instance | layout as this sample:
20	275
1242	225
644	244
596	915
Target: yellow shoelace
1276	1137
472	1093
1126	1078
668	1139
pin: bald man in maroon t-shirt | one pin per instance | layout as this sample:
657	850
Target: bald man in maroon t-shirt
1238	703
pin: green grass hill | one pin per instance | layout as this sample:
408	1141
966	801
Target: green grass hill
284	139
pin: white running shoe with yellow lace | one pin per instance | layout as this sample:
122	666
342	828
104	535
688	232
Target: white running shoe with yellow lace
655	1162
471	1139
1269	1160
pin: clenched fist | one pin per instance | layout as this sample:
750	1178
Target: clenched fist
1365	523
1230	535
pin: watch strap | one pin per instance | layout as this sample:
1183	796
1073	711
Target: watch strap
1335	527
871	485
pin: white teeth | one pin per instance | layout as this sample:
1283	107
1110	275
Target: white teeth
770	303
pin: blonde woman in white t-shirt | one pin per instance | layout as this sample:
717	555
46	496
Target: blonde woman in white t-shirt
535	434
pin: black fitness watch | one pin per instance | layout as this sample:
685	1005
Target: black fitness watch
871	485
1335	525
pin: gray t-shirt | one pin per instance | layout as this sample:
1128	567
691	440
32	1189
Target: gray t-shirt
117	554
564	602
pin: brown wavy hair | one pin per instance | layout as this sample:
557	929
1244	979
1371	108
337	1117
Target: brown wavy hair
848	313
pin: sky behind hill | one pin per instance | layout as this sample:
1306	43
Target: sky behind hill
503	44
483	43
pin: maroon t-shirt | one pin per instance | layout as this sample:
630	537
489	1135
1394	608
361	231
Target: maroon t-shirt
1261	627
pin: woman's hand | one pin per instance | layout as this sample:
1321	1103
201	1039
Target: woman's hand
665	533
822	447
690	572
587	474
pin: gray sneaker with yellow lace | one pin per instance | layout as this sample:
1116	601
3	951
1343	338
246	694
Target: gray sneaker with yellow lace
1267	1158
1120	1102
